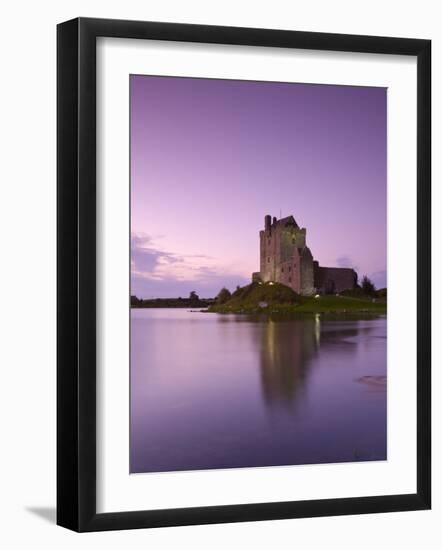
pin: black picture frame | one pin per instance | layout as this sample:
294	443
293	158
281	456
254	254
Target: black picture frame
77	287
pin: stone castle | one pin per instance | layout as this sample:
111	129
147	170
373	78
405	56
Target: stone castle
285	258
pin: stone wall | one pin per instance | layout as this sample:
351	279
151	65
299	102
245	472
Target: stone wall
331	280
307	273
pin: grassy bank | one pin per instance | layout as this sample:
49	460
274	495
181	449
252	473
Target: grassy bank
277	298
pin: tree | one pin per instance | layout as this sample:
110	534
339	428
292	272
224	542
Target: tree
135	301
223	296
367	286
193	296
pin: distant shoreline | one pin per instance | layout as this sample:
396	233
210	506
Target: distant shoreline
167	303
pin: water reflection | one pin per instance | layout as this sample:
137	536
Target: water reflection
286	349
231	391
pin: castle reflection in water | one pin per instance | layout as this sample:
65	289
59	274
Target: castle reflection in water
287	349
285	353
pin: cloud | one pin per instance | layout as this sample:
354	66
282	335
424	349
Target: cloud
145	257
158	272
345	261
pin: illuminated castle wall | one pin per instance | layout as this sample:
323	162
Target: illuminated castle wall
285	258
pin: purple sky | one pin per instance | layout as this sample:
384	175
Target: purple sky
209	158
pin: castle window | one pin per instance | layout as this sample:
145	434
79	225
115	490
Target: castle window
290	279
268	259
282	270
290	267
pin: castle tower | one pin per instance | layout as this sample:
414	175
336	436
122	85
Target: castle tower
283	254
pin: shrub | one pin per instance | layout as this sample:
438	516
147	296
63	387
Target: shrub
223	296
367	286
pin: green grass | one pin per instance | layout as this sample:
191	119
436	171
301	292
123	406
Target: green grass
277	298
254	293
325	304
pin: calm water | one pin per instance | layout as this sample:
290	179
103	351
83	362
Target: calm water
229	391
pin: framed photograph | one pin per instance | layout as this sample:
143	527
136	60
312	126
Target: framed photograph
243	274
